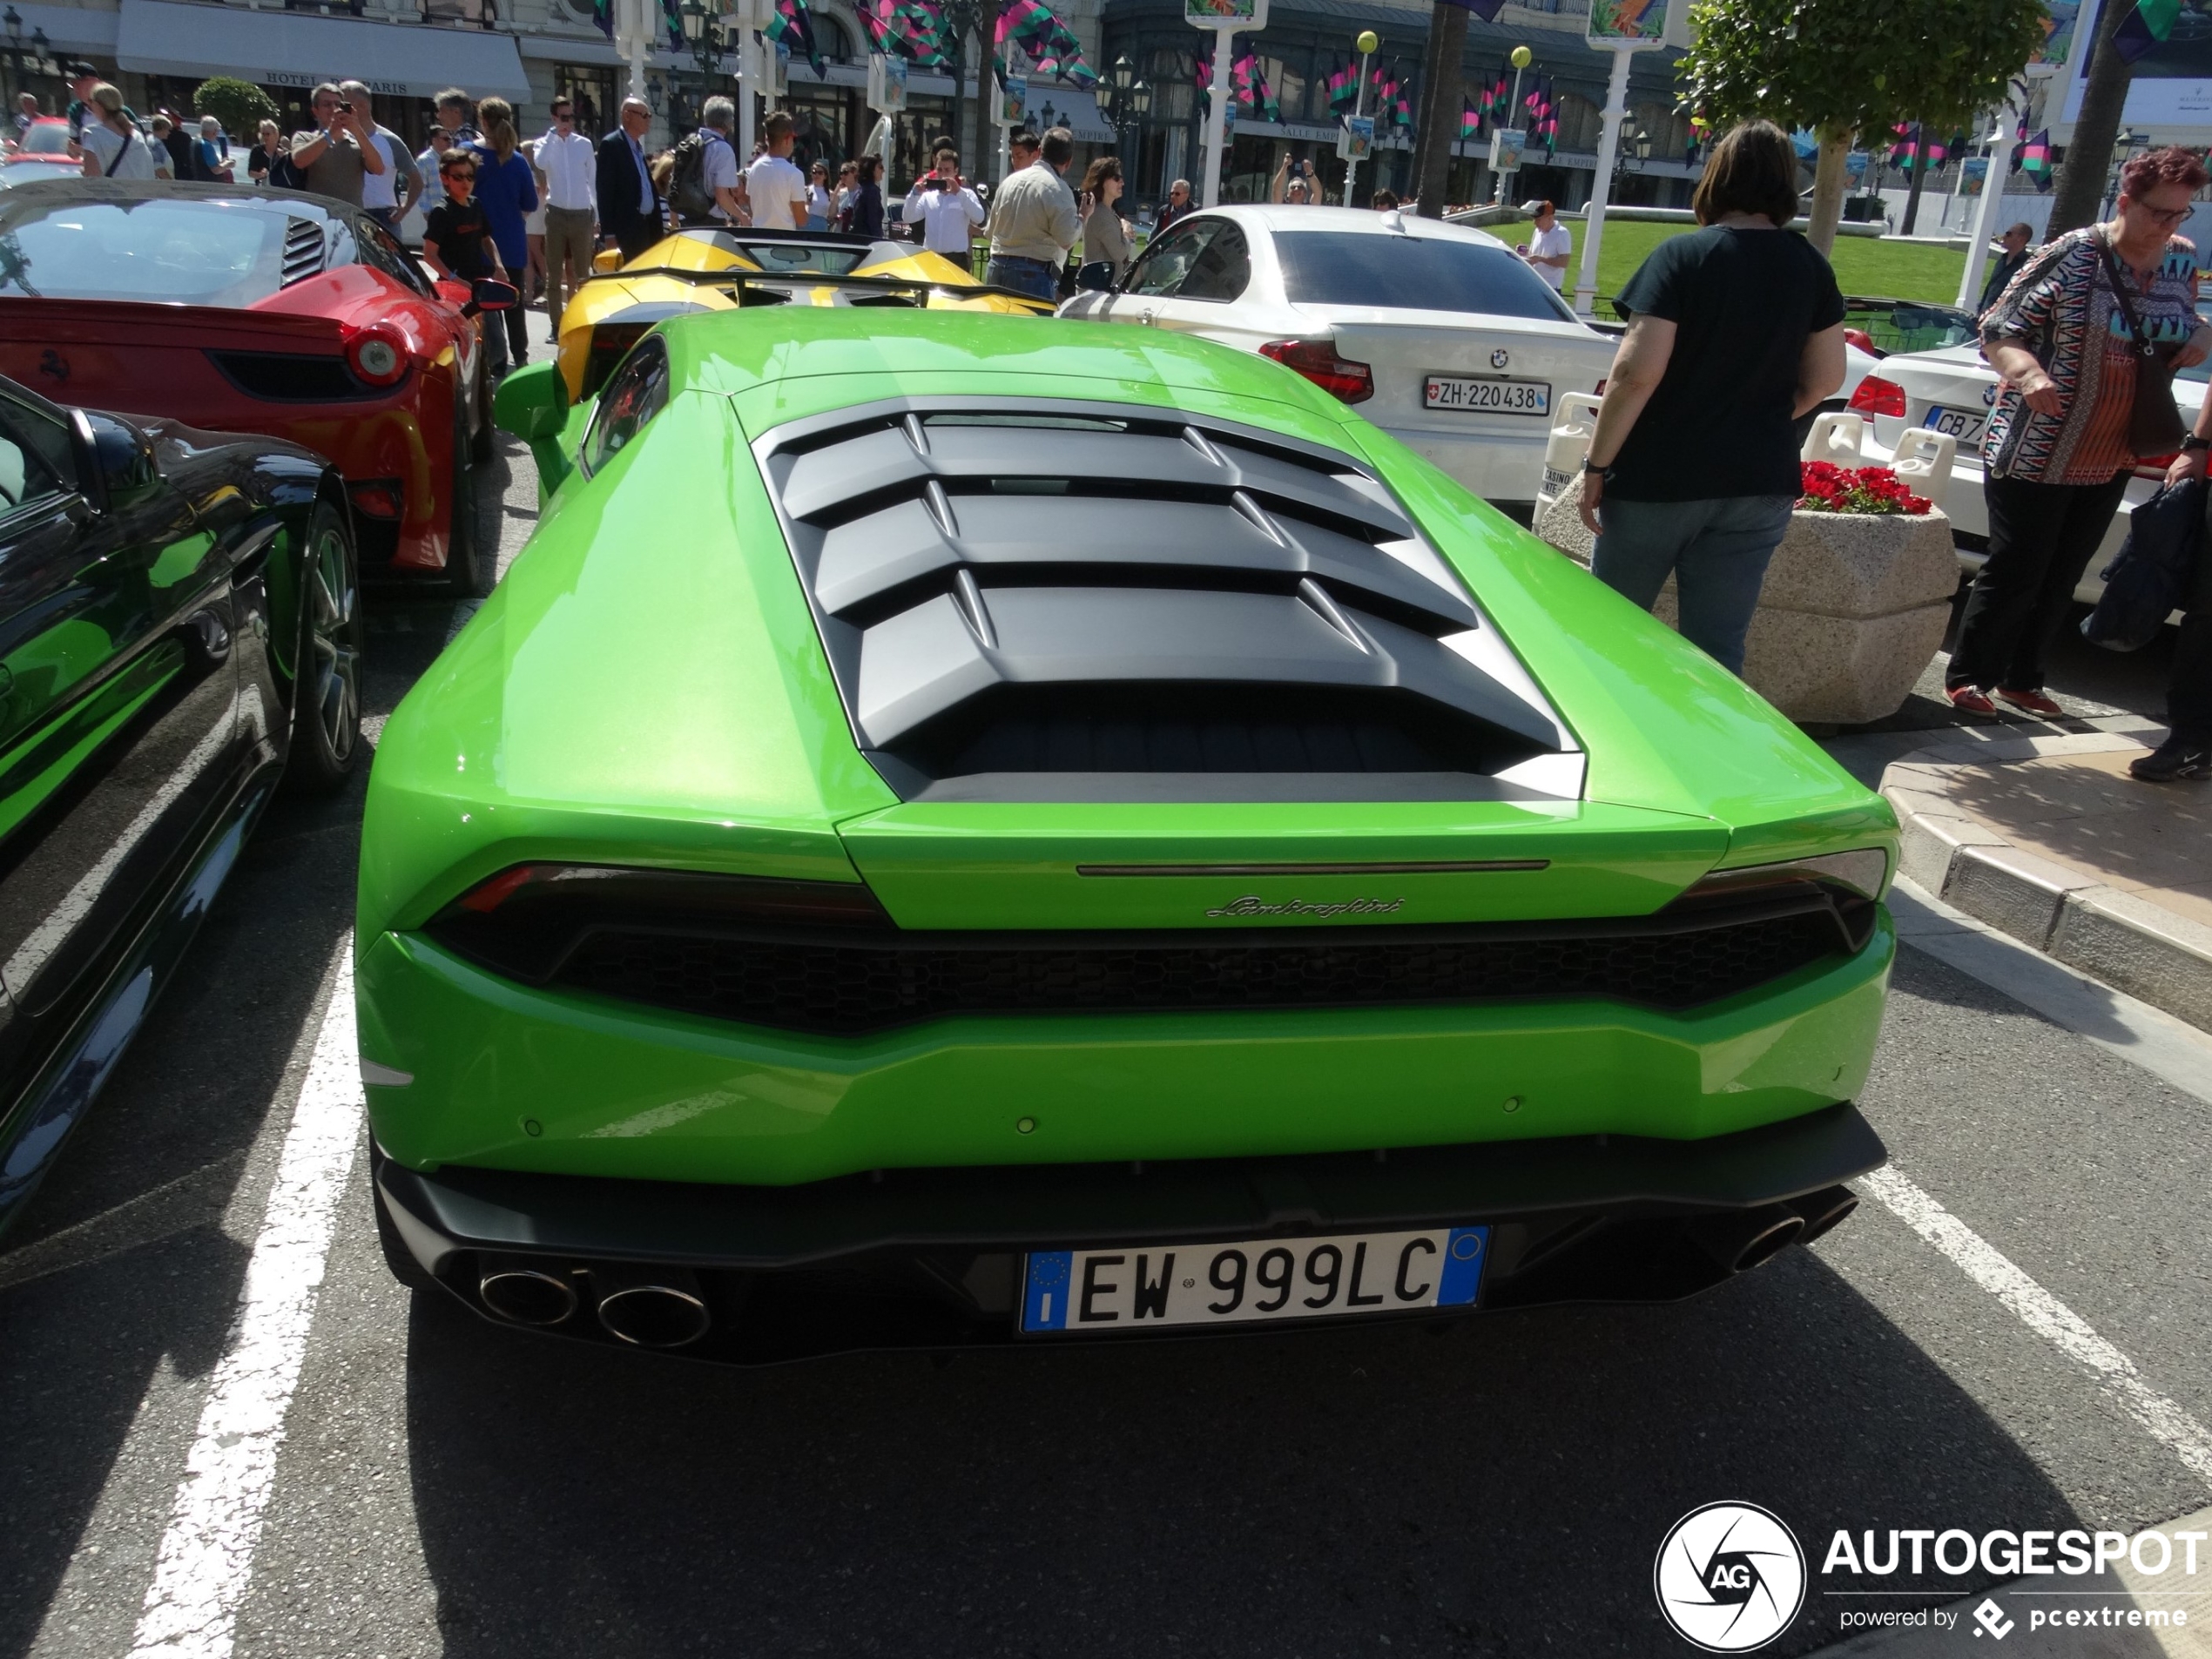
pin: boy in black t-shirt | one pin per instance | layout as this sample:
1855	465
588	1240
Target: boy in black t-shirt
456	242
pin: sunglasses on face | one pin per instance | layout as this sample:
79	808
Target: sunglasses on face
2159	217
564	115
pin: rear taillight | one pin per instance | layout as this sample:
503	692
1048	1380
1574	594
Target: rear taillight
378	356
376	497
1878	396
526	920
1848	886
1318	361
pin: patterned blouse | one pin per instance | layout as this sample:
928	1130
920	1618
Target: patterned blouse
2060	306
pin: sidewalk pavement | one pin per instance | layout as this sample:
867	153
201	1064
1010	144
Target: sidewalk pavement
2041	833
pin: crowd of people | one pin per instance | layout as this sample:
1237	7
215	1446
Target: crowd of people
1735	335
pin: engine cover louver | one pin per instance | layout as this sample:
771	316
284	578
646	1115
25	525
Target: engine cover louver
1108	602
303	250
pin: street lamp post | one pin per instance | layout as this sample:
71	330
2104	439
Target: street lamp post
22	59
2125	142
1369	43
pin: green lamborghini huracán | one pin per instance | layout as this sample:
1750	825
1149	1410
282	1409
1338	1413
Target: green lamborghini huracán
962	829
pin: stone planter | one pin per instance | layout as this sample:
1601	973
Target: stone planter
1853	610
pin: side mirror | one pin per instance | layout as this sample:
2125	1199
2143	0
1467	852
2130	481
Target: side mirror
1096	277
532	403
487	293
121	458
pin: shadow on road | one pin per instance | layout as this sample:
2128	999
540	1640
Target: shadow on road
1320	1493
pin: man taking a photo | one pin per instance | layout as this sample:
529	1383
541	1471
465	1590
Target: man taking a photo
339	152
946	209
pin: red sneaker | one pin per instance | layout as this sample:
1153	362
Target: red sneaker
1970	699
2033	703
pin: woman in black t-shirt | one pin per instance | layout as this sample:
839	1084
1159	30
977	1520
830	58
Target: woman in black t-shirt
1735	331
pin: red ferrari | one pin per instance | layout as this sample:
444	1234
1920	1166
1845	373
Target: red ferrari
245	310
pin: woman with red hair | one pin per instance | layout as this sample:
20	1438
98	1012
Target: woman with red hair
2067	336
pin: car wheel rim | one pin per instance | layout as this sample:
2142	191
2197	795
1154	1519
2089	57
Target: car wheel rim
337	660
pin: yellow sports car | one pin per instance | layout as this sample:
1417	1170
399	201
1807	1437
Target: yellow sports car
715	269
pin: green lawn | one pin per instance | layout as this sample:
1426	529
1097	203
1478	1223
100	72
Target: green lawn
1866	265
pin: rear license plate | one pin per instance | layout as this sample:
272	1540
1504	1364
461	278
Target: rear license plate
1962	424
1130	1289
1486	395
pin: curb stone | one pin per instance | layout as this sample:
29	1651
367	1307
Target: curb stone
2135	946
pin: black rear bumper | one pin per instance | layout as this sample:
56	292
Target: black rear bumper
930	1258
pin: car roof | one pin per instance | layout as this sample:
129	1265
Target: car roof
1357	220
289	204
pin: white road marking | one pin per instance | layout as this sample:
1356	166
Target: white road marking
206	1557
2166	1420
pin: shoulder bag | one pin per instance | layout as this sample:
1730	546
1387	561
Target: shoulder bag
2154	424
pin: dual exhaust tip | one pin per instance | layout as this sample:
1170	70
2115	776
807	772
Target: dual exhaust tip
646	1307
663	1307
1741	1239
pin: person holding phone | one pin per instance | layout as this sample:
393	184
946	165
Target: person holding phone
340	149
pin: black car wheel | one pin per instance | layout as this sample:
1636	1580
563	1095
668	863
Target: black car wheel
472	569
484	443
327	705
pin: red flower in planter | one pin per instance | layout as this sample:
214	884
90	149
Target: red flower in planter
1830	488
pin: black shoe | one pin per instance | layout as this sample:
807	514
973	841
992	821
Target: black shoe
2171	761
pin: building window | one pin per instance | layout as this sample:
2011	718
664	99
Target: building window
478	14
1580	123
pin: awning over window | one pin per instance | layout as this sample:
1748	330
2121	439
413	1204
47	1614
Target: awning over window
291	49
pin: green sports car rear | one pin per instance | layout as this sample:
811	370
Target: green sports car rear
973	829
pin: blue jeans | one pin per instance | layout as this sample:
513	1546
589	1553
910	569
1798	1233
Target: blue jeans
1717	551
1024	276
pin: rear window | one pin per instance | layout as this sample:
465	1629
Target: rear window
783	259
1411	273
164	251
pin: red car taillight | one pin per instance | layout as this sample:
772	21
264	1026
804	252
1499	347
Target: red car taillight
1318	361
1878	396
526	920
376	497
378	356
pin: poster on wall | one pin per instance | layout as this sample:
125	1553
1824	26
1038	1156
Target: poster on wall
887	84
1617	22
2173	81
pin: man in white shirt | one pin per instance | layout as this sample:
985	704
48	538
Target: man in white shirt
946	208
385	196
570	165
1548	246
775	189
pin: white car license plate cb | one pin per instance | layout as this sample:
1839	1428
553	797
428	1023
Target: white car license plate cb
1486	395
1962	424
1134	1288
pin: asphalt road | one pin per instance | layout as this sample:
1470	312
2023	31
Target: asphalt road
444	1488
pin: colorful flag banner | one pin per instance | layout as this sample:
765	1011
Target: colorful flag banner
2146	26
2035	159
1051	44
1470	122
793	27
1343	89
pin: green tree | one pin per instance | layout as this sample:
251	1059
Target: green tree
1846	67
240	105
